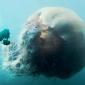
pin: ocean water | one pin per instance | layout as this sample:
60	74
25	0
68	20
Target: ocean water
13	14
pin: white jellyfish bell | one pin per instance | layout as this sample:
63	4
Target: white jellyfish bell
52	44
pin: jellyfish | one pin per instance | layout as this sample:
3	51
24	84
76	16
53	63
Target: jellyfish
52	44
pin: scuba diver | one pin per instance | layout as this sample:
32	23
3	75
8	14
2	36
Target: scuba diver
4	36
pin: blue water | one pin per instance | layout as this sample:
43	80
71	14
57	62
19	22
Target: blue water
13	13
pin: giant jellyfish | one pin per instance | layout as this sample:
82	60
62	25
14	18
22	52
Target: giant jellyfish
52	43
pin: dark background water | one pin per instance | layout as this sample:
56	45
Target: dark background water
13	13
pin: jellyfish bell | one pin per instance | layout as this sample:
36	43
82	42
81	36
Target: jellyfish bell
52	44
